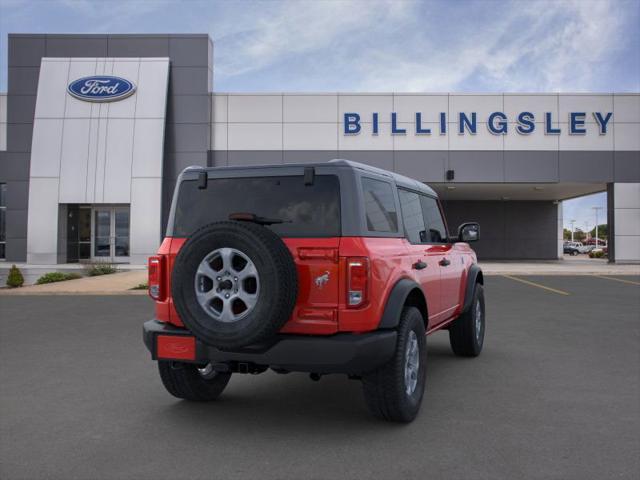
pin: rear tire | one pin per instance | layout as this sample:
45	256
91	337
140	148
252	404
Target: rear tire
466	333
387	391
187	381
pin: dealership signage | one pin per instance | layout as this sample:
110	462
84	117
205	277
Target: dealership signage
101	88
467	123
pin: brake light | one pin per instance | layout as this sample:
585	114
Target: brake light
156	276
357	281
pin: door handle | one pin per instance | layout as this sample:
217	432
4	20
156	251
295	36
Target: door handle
444	262
419	265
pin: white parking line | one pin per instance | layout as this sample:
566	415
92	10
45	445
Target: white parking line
534	284
631	282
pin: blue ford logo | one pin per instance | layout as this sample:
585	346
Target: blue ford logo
101	88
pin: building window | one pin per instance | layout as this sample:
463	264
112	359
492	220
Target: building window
3	216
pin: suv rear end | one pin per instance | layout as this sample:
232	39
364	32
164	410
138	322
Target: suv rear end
308	199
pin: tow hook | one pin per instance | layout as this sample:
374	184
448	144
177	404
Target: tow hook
315	377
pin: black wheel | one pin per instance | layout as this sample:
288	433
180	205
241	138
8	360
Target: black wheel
234	284
466	333
394	391
190	382
574	252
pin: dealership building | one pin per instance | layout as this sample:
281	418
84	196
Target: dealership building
95	129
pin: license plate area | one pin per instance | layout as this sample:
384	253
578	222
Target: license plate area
173	347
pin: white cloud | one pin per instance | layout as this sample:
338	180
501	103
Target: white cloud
533	46
292	29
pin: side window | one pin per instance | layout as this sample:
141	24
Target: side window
412	216
380	206
436	233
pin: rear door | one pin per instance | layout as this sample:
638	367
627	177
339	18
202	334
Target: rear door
316	310
425	257
449	260
306	215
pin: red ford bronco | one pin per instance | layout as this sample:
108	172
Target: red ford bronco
333	267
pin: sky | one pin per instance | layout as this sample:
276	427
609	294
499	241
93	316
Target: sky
376	45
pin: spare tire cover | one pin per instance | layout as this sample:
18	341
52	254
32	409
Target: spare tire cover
234	284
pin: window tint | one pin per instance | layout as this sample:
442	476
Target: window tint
380	206
436	233
411	209
306	210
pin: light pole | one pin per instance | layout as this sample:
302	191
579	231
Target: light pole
586	231
572	222
596	209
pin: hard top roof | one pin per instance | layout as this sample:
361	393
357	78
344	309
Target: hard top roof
400	180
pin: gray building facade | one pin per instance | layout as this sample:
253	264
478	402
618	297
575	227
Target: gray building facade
87	181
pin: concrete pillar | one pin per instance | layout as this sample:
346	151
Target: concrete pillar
623	206
560	236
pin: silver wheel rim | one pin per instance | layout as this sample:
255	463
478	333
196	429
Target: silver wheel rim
411	363
227	285
478	321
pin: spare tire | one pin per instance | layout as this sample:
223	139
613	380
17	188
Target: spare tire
234	284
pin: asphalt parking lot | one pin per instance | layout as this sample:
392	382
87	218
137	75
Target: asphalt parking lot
555	394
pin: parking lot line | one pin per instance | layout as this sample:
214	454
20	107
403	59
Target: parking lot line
631	282
534	284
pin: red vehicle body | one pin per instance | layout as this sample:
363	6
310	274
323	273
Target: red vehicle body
359	269
324	312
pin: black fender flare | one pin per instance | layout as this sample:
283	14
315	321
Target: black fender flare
396	301
474	276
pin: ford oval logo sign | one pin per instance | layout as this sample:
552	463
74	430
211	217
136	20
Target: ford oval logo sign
101	88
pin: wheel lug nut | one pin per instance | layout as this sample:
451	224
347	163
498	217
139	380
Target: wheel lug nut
235	279
218	278
226	295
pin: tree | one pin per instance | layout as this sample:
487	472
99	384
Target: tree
579	235
15	278
603	231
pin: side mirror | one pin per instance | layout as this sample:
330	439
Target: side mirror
469	232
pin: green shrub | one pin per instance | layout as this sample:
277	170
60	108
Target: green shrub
96	269
52	277
15	278
596	254
140	286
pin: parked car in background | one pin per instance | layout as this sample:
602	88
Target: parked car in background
574	248
570	248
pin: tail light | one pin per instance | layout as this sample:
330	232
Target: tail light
156	277
357	281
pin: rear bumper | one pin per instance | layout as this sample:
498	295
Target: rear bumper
340	353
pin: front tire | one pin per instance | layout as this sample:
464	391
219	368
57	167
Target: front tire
394	392
466	334
189	382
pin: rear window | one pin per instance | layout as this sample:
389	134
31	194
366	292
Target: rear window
307	210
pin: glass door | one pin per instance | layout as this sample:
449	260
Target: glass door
111	234
120	237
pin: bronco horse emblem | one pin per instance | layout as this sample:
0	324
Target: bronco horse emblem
322	280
